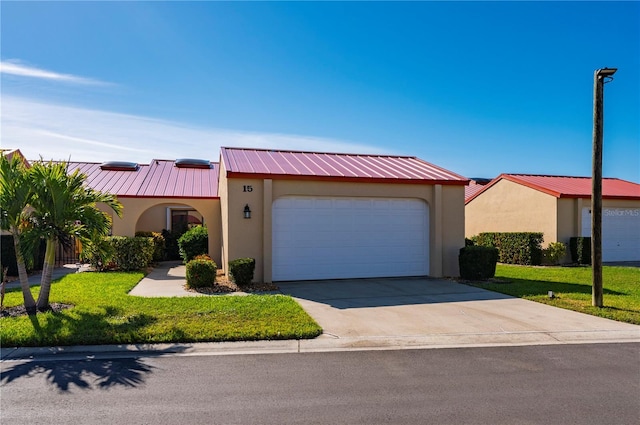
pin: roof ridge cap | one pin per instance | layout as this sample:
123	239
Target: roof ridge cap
318	152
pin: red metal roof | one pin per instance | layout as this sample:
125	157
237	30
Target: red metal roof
569	187
259	163
160	179
472	189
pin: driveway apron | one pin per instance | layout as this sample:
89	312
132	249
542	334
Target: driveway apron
423	307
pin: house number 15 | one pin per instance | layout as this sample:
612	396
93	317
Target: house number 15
247	188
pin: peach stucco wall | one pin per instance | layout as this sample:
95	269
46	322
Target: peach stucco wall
511	207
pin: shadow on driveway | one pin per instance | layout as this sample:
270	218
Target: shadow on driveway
363	293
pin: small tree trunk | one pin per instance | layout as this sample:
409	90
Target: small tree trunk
47	271
29	301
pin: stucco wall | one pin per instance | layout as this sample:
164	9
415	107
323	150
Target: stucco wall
224	219
570	218
511	207
453	227
252	237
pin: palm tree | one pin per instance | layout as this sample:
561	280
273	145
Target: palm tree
15	197
64	208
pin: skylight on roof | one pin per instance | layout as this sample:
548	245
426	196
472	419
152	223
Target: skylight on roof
192	163
119	166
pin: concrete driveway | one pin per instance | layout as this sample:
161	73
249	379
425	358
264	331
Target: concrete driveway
425	310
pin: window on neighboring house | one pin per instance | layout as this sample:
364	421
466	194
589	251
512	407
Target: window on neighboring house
184	219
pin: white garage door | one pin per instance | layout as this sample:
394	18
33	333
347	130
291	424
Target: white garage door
620	233
338	237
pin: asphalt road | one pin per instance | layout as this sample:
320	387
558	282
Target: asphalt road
559	384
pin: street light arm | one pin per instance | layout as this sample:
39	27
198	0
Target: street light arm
605	74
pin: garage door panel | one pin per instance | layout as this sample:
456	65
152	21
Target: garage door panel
620	233
349	237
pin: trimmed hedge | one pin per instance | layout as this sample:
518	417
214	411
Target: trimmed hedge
580	248
158	244
132	253
194	242
478	262
201	273
99	254
514	247
241	270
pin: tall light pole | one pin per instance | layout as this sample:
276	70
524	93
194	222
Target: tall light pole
600	77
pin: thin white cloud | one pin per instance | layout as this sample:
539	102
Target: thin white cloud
60	132
53	135
20	70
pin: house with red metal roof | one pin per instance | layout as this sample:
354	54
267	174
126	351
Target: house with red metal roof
560	208
311	215
300	215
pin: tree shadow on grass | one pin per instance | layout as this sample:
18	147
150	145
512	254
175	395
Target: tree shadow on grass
75	326
538	287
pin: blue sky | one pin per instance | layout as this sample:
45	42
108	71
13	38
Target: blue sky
480	88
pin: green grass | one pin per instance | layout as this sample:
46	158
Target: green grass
103	313
572	288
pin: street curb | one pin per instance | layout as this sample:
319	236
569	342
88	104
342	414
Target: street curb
324	343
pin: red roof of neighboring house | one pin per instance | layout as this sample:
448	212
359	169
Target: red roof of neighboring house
472	189
270	164
568	187
10	153
160	179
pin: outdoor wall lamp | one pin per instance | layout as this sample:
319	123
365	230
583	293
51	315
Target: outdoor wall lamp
247	211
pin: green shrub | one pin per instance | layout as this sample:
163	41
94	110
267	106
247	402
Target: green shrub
158	244
99	253
194	242
478	262
241	270
554	253
201	273
514	247
580	248
131	253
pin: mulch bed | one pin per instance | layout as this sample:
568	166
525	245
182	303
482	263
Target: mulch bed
224	286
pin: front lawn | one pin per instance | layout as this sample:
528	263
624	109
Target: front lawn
572	288
103	313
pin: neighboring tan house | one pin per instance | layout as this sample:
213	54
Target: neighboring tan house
301	215
560	208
